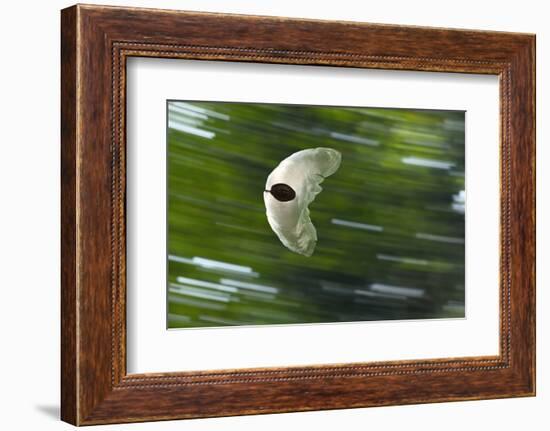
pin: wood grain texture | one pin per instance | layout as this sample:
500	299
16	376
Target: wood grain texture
69	397
96	41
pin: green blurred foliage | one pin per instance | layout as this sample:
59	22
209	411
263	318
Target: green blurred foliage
390	221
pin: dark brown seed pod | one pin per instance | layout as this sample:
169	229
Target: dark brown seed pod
282	192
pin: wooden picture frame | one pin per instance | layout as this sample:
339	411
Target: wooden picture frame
95	43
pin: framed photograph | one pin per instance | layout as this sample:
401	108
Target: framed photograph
264	214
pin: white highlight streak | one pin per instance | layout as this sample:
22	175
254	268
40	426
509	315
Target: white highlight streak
440	238
191	130
212	264
412	292
354	139
175	109
251	286
208	263
402	259
180	259
438	164
207	284
208	112
197	293
357	225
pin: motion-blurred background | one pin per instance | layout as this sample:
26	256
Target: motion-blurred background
390	221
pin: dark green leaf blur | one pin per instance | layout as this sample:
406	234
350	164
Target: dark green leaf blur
390	221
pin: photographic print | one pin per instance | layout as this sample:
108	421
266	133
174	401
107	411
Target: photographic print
297	214
249	213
